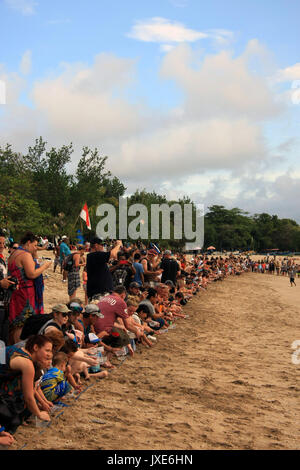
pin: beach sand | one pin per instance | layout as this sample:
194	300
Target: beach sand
222	379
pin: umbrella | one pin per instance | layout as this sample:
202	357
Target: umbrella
211	248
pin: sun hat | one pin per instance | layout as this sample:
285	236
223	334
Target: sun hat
60	308
93	309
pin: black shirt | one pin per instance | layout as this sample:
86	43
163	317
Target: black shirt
99	279
170	268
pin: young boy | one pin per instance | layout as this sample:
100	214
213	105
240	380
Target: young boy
53	383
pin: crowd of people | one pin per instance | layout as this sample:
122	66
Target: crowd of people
133	294
285	267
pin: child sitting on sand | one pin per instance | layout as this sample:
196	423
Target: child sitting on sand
53	383
80	363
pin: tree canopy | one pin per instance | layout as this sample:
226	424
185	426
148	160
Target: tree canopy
38	193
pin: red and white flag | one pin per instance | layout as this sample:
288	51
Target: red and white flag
84	214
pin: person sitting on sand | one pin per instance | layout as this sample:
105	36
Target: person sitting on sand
113	308
135	322
143	314
80	364
59	320
151	301
54	384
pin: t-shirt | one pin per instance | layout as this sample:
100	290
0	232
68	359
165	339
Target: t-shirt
170	268
111	306
150	305
64	251
99	277
139	270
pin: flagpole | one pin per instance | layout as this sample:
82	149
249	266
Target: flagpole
76	222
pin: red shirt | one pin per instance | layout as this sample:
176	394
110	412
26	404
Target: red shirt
111	306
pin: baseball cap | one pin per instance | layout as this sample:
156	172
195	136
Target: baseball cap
60	308
93	338
167	252
134	284
93	309
64	236
170	283
75	307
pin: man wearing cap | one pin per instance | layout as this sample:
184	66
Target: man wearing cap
170	267
134	291
64	251
90	317
99	278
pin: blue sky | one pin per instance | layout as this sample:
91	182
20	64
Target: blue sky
193	97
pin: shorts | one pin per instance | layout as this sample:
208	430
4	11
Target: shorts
73	282
57	262
119	341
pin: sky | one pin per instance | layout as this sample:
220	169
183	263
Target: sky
185	97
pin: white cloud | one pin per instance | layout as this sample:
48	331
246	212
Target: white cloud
163	30
289	73
219	85
191	148
25	7
26	62
222	37
166	47
205	146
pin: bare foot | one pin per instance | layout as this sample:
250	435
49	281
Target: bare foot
101	375
108	365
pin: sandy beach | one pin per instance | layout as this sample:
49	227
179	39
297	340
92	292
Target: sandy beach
222	379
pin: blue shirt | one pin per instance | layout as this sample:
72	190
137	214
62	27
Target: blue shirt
139	270
64	251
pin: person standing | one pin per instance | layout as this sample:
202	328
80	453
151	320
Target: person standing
5	284
170	267
99	278
139	270
292	274
74	272
21	266
64	251
56	252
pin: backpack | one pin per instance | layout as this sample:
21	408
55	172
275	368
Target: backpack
35	324
119	277
68	263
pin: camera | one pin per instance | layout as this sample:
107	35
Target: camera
15	281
